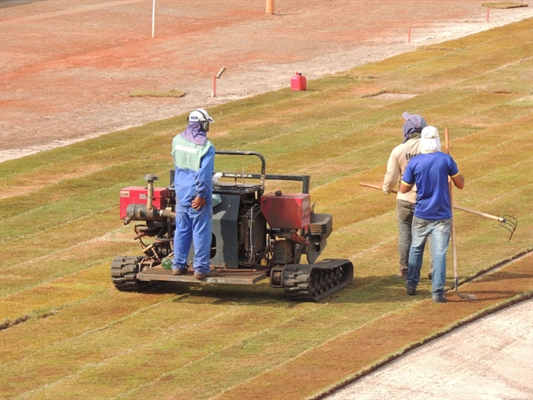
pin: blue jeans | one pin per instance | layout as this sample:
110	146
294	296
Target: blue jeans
440	237
193	226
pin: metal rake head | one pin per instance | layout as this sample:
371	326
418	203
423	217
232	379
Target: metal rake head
510	223
463	296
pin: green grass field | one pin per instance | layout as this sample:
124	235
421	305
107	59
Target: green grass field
66	332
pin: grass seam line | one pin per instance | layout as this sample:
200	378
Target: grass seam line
192	362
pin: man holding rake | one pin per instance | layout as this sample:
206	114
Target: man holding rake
430	172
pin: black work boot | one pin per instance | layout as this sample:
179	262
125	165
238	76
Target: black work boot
440	299
410	290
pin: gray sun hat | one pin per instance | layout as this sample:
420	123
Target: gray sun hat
413	123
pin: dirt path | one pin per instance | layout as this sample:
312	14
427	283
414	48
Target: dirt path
67	67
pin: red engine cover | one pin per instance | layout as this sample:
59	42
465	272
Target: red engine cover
139	195
287	210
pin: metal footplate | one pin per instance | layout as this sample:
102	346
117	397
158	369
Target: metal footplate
313	282
232	277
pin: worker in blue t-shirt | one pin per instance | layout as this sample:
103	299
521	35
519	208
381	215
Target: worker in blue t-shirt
430	171
194	158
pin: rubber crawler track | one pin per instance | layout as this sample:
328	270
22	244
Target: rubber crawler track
124	273
315	282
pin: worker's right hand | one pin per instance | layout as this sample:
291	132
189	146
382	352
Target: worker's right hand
198	203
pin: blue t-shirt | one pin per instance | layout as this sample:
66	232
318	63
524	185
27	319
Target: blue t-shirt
430	173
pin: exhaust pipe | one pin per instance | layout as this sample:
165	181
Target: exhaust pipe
150	178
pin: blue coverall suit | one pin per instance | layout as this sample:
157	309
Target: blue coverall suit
193	177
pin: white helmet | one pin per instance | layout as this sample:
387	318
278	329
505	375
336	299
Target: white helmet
200	115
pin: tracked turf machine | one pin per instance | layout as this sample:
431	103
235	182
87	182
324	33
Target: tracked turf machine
256	235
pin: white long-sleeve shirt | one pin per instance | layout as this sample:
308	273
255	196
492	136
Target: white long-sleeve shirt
398	160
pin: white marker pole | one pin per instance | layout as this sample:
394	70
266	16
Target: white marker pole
153	18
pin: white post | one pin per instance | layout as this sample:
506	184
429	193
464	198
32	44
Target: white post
153	18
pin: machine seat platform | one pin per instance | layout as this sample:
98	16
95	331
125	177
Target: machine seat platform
225	276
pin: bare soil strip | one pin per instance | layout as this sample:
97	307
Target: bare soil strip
66	79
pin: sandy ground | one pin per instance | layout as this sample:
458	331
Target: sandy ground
491	358
67	67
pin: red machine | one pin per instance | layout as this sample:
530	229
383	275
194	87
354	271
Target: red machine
255	236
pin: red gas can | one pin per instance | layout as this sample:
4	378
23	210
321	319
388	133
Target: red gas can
298	82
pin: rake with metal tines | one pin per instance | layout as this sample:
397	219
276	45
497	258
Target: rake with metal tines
506	221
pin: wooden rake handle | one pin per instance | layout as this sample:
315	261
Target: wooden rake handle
468	210
450	188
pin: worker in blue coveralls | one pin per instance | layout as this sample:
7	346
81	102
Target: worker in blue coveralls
430	171
194	158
